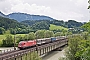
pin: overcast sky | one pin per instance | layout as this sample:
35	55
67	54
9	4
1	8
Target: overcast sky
57	9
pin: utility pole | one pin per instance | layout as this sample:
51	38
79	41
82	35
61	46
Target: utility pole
36	44
14	39
27	37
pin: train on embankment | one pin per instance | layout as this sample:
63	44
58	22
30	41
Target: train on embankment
31	43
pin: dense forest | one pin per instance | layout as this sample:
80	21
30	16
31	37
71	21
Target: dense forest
69	24
7	23
12	25
33	25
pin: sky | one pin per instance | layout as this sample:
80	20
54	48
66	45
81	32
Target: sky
57	9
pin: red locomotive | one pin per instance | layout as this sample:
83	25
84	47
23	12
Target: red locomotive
26	44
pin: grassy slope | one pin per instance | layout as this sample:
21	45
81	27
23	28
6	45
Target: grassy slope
4	36
54	27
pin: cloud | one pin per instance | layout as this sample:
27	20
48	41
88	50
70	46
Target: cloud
80	2
58	9
68	15
31	9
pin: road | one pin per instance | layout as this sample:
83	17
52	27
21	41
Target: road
54	55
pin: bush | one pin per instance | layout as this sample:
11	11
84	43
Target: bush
8	42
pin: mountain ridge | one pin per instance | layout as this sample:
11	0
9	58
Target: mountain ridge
24	16
2	15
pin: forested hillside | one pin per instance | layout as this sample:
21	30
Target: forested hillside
7	23
69	24
24	16
38	24
12	25
32	23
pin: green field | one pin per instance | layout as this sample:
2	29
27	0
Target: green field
4	36
54	27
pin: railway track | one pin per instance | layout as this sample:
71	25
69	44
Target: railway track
8	52
16	53
23	51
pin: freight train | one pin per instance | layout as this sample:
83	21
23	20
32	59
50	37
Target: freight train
31	43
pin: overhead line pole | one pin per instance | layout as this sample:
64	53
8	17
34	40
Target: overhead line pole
14	39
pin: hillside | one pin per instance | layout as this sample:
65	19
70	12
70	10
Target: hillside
7	23
2	15
69	24
32	19
55	27
73	24
12	25
26	26
23	16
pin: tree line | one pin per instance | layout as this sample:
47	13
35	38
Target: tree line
69	24
9	41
